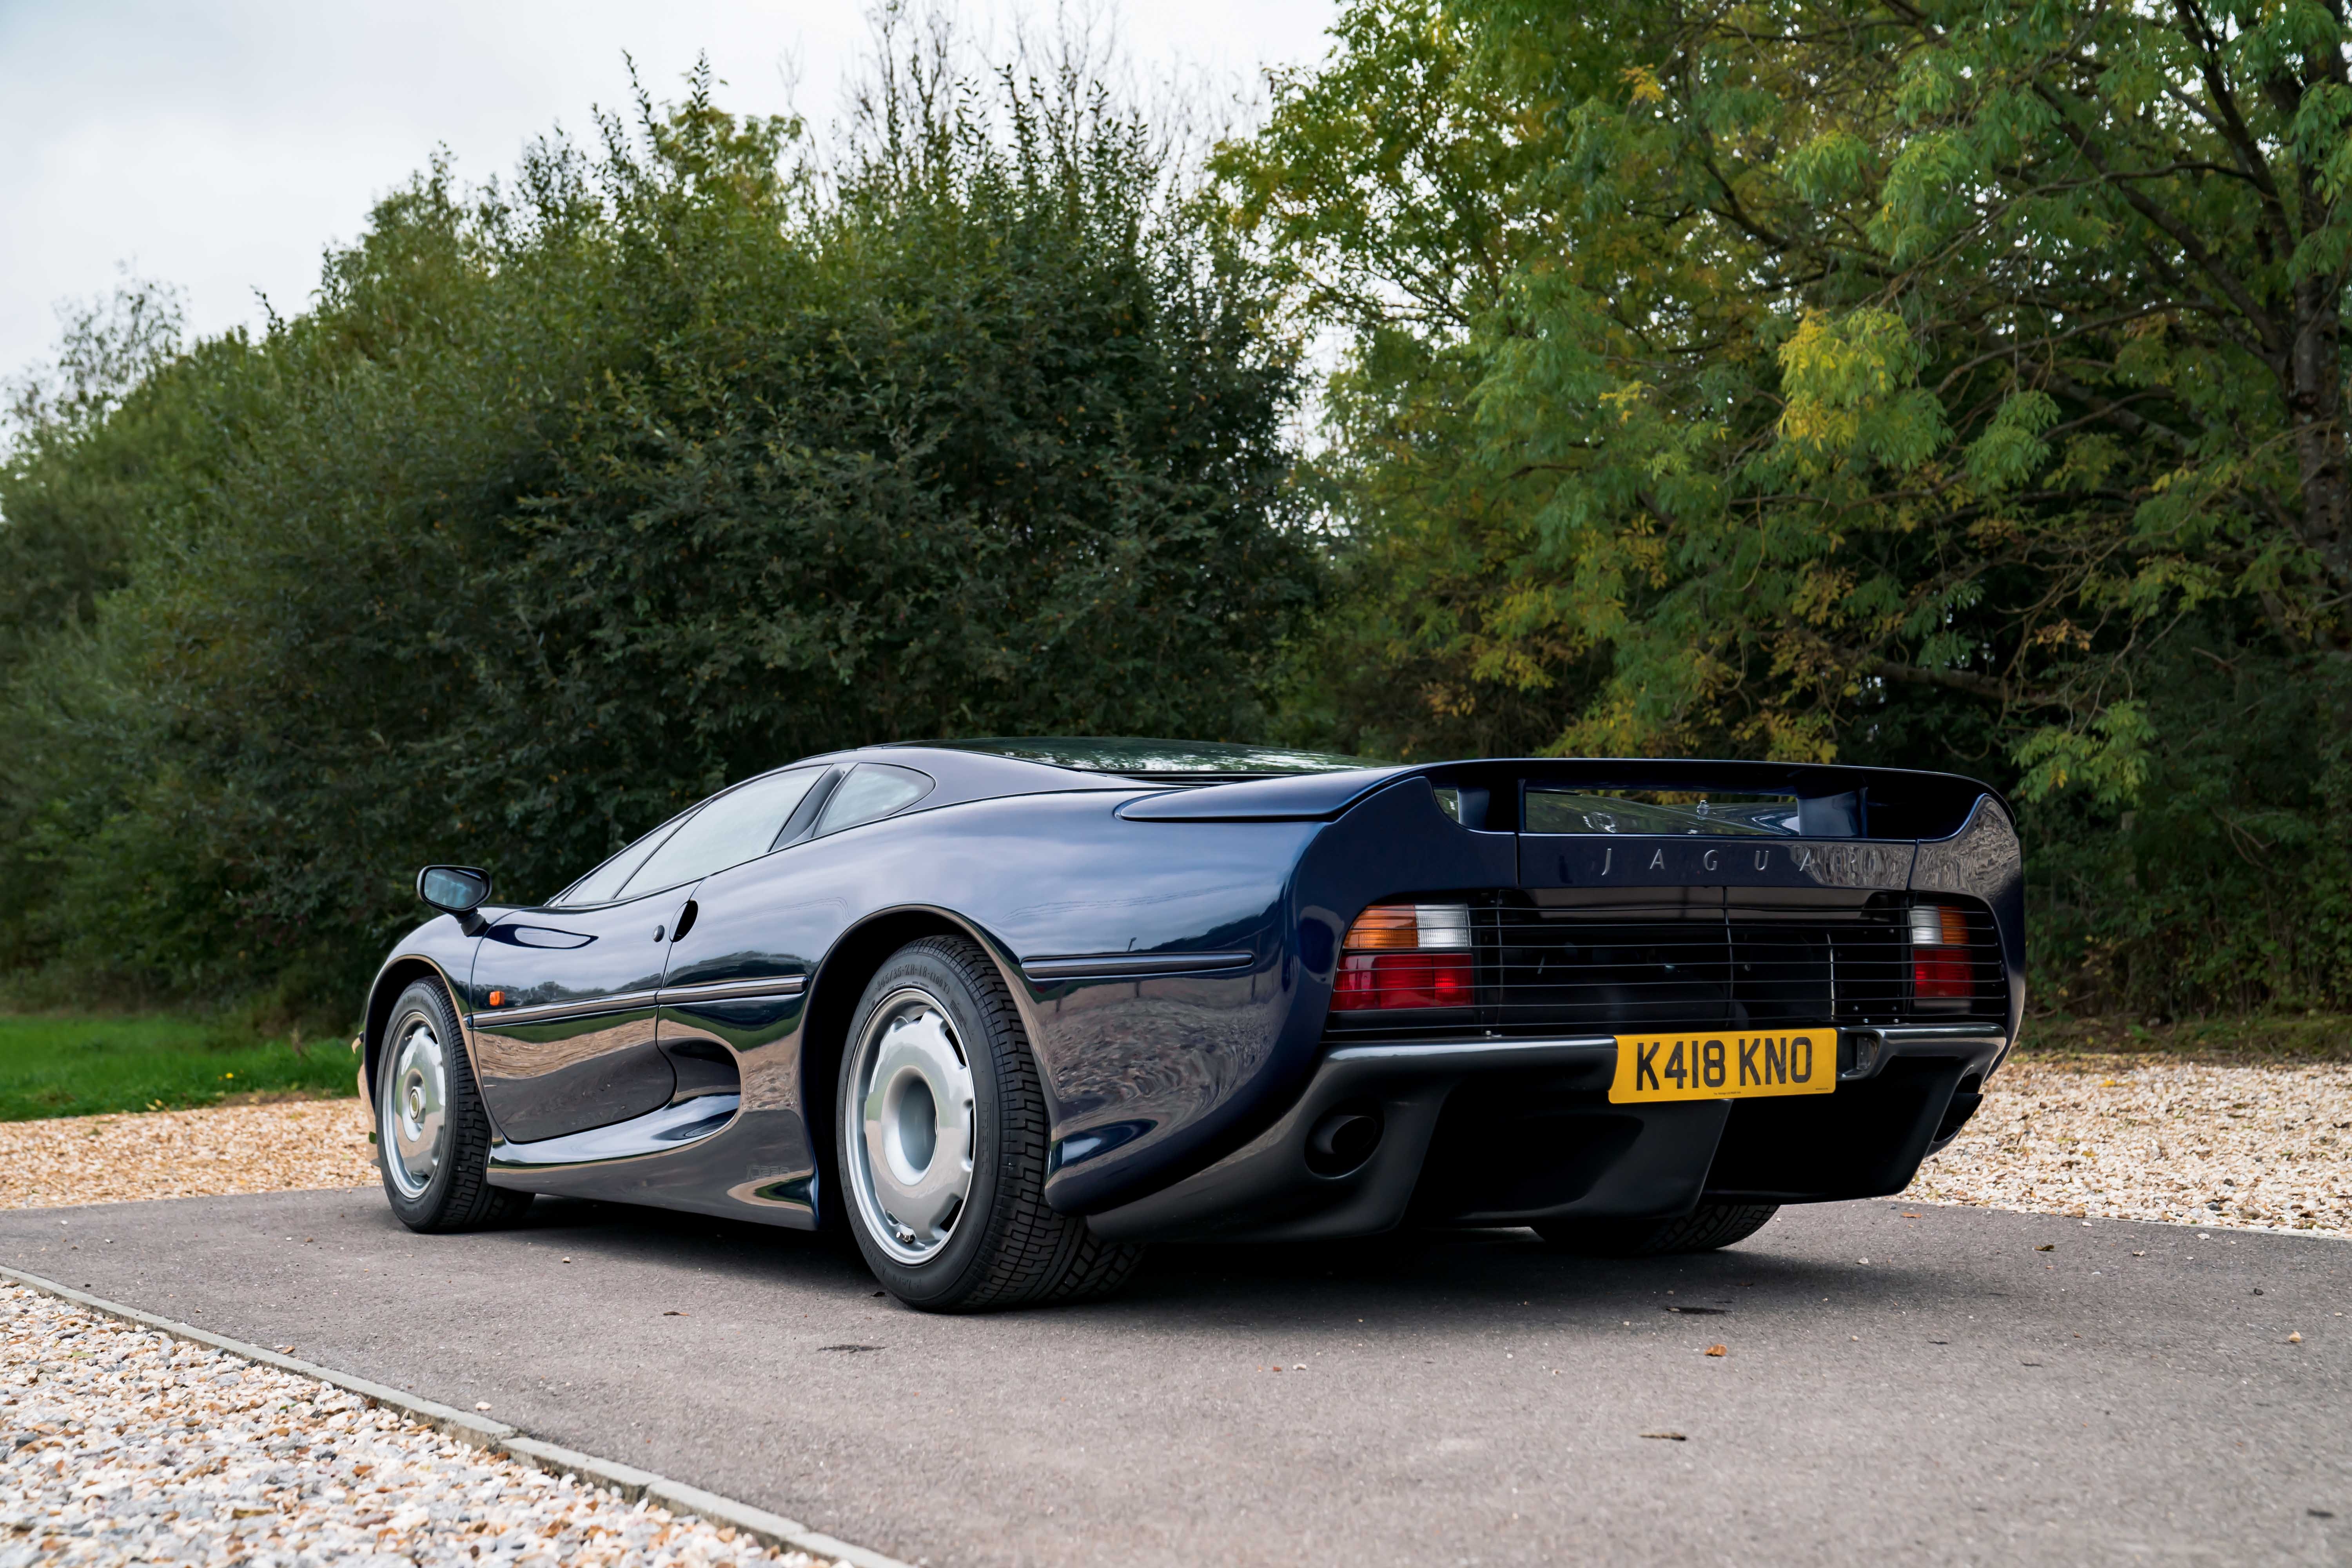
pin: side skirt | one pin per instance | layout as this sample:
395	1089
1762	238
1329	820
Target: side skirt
703	1155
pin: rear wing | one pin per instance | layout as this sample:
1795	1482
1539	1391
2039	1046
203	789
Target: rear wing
1500	796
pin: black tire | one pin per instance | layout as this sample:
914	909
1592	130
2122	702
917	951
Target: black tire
1003	1246
1704	1230
456	1193
1097	1268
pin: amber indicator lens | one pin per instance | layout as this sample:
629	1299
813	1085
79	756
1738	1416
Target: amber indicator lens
1410	928
498	998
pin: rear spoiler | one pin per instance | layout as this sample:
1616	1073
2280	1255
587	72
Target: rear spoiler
1878	803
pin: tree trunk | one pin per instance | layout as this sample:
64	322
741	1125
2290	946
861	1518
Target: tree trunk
2314	399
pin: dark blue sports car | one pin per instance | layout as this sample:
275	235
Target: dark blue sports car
1008	1010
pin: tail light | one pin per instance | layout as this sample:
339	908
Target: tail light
1406	955
1940	970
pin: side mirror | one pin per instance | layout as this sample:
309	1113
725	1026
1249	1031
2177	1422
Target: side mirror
456	891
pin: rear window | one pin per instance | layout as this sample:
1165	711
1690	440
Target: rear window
1661	811
872	791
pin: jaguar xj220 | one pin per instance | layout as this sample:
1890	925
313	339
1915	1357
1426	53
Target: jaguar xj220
1007	1011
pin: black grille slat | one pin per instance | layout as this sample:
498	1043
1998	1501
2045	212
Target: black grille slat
1640	968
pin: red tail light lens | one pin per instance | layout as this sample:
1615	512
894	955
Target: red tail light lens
1941	975
1940	971
1382	980
1406	955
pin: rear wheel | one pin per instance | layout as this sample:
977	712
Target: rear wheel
433	1137
1704	1230
941	1129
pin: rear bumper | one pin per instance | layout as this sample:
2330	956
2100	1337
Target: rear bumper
1506	1131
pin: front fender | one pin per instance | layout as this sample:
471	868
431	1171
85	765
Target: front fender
437	948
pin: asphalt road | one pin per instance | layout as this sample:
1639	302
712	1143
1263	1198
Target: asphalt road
2128	1395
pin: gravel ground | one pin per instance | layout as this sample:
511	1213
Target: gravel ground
2134	1137
185	1154
128	1446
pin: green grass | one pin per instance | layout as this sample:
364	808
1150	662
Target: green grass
52	1066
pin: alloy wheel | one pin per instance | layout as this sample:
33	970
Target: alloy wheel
909	1126
414	1111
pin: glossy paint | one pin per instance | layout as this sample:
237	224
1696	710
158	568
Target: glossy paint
573	1044
1171	952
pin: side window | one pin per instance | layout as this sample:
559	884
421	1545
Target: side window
872	790
603	885
729	829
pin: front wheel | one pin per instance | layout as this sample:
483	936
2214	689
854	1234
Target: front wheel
1704	1230
432	1135
940	1131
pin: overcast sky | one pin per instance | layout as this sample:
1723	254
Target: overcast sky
221	146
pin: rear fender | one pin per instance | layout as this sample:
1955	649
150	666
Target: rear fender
841	980
1166	1104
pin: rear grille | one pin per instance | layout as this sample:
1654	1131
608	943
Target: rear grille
1703	962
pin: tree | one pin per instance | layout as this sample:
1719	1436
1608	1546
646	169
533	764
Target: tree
1950	385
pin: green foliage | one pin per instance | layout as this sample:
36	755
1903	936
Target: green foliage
86	1066
1943	385
578	497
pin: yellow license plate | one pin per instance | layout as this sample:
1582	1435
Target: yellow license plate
1724	1065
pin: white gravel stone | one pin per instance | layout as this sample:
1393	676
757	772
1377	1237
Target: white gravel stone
285	1146
2265	1147
124	1446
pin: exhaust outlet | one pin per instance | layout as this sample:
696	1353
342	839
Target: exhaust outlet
1344	1137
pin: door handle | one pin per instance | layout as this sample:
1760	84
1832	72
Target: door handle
685	920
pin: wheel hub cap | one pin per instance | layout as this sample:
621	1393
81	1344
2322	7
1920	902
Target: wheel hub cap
415	1103
911	1127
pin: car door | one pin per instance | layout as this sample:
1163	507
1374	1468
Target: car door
566	1029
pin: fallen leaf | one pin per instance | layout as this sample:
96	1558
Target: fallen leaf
2047	1247
1716	1350
2295	1339
1669	1437
673	1312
